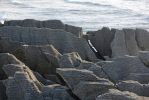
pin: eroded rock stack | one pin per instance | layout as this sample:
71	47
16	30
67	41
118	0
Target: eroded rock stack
50	60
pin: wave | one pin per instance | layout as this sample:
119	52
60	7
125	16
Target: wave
86	2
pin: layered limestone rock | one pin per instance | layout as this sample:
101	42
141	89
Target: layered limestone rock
121	68
83	83
64	42
52	24
70	60
135	87
118	95
101	40
144	56
142	37
118	44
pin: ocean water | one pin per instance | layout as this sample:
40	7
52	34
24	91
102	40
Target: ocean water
89	14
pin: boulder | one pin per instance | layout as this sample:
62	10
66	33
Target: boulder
70	60
144	56
118	44
142	37
77	31
120	68
130	40
63	41
135	87
86	90
118	95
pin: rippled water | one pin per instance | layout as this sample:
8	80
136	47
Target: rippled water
89	14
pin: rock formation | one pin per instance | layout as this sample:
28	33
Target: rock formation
50	60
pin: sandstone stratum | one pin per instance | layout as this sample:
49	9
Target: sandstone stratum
50	60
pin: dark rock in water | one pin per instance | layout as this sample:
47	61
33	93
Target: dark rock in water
64	42
135	87
118	95
120	68
52	24
142	38
70	60
2	91
75	30
101	40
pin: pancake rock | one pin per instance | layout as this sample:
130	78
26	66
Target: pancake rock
120	68
83	83
135	87
118	95
52	24
64	42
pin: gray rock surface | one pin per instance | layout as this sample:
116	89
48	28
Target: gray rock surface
52	24
70	60
135	87
144	56
101	40
86	90
2	91
83	83
118	44
118	95
120	68
64	42
142	37
131	43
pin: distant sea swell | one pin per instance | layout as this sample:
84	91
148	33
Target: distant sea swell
91	15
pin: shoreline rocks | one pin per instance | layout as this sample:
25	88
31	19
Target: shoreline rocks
50	60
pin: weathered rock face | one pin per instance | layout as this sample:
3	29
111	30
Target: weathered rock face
131	43
101	39
75	30
64	42
3	91
52	24
6	58
97	70
83	83
135	87
70	60
142	37
118	44
118	95
56	92
121	68
144	56
43	59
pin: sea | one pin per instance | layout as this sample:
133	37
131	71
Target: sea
88	14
